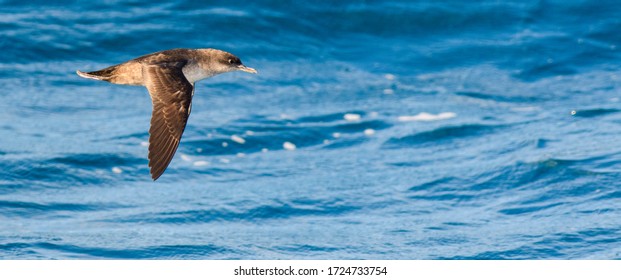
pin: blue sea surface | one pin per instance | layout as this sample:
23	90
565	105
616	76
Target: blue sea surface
374	130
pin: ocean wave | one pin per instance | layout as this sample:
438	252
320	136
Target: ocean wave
596	112
62	251
274	210
444	133
69	170
551	174
24	209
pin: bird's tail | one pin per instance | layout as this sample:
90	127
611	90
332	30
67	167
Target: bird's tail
105	74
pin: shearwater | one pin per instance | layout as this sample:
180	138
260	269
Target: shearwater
169	77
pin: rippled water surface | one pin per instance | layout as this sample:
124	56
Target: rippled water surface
374	130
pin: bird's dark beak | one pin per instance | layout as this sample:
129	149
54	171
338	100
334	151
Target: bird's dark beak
246	69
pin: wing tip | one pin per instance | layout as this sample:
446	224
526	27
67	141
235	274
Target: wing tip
155	174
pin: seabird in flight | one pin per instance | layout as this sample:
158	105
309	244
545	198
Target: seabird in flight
170	77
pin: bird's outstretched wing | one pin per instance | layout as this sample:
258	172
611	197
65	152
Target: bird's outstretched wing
171	94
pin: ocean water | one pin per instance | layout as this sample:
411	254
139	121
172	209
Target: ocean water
374	130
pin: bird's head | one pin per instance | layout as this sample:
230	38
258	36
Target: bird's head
227	62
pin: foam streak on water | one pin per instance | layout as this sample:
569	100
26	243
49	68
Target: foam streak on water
375	129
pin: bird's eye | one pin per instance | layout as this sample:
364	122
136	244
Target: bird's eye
231	61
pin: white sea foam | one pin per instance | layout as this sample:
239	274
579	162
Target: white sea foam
352	117
238	139
185	157
425	117
369	131
201	163
289	146
117	170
